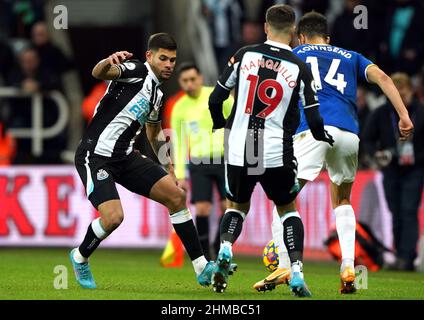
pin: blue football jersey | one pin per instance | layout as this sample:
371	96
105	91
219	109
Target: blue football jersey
336	72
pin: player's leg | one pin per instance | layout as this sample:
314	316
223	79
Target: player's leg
97	177
217	240
239	187
219	178
203	209
278	231
342	163
281	186
282	274
346	228
146	178
201	197
310	155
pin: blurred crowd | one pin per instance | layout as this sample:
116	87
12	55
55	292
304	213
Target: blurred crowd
31	62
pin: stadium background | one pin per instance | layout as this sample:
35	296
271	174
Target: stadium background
42	201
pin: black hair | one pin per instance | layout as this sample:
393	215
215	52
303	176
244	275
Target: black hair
161	41
184	66
313	24
280	17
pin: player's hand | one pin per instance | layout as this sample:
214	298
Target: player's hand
405	128
326	137
218	124
119	57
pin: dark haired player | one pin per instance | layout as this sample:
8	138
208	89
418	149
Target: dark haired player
268	80
336	72
105	155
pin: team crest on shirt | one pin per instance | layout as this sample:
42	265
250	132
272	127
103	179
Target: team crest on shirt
102	175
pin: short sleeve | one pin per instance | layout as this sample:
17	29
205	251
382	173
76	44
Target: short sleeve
307	91
228	78
363	65
155	116
131	69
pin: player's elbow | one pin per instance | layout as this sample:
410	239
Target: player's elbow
383	79
218	96
379	77
96	74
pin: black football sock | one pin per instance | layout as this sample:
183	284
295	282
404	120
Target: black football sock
202	225
293	238
217	242
231	225
95	234
186	231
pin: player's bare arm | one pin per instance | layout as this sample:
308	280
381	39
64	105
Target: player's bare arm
379	77
157	140
107	69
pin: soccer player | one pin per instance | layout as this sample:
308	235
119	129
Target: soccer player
336	72
268	80
105	155
191	123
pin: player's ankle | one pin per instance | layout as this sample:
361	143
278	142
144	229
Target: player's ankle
228	245
347	262
78	257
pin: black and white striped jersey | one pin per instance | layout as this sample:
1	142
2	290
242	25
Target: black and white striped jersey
130	101
269	80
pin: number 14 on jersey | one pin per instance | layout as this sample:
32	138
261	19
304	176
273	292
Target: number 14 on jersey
332	78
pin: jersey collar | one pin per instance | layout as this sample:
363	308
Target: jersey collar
152	74
278	45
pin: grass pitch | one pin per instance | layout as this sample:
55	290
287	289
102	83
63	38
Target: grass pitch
137	274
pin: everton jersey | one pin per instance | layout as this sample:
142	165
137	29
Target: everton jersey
336	72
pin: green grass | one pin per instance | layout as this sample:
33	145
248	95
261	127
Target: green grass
136	274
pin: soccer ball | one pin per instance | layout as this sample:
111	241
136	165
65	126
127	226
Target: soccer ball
270	256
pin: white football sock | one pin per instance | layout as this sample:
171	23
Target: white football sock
346	227
297	267
98	229
277	236
199	264
78	257
227	244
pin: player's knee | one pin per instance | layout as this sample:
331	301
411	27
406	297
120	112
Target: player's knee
113	221
176	201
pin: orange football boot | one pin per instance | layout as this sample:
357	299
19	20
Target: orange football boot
279	276
347	280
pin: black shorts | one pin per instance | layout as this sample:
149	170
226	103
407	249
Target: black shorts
280	184
202	177
134	172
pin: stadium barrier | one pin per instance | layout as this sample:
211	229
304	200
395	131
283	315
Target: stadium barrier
37	133
47	206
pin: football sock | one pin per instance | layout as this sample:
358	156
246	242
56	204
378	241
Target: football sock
199	264
231	225
217	241
229	245
346	227
186	231
277	236
202	225
293	235
297	266
95	234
